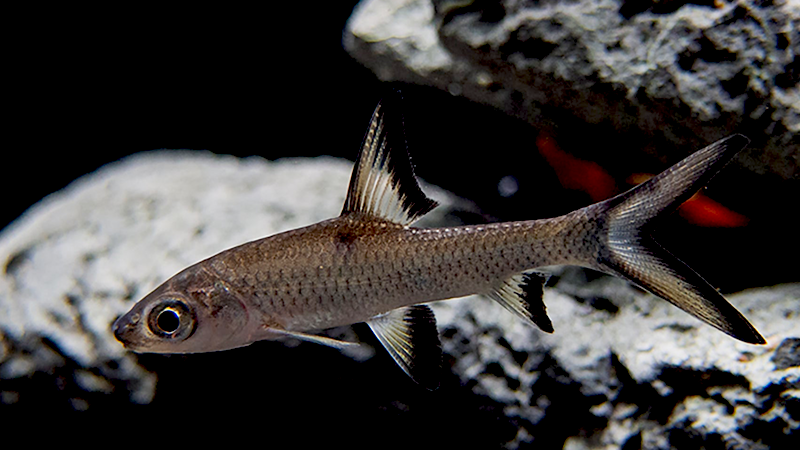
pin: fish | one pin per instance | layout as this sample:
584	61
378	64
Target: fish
370	264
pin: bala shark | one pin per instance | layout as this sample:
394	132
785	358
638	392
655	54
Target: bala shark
370	265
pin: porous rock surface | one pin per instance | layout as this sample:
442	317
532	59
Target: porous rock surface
631	366
659	76
622	367
81	257
662	76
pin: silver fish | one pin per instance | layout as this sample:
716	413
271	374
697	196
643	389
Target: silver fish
370	265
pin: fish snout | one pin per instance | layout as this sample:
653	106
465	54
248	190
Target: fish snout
125	327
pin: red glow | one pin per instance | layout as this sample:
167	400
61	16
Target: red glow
574	173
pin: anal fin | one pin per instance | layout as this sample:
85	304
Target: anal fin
522	295
409	334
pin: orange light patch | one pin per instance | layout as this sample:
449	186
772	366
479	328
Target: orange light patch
701	210
574	173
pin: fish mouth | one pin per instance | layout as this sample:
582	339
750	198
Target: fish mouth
125	328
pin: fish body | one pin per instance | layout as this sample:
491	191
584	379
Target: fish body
371	265
350	269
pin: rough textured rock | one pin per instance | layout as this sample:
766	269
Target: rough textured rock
80	258
631	367
622	367
661	76
654	76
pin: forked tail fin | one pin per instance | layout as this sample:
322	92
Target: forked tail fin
631	253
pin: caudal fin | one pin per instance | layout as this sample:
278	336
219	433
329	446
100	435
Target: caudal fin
631	253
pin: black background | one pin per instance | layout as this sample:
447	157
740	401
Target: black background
87	87
90	86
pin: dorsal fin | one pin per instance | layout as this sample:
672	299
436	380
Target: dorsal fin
383	184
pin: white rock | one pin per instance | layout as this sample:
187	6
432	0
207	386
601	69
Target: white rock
83	256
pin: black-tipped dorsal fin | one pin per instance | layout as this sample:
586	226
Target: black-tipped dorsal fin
409	334
383	184
522	295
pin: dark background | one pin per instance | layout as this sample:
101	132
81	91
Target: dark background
91	86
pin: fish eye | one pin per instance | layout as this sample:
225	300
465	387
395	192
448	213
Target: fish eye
168	320
172	319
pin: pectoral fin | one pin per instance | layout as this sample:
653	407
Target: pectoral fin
410	336
330	342
522	295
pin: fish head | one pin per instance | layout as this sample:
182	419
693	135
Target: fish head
192	312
